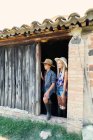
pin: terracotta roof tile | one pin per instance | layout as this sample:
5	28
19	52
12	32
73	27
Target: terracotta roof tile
60	23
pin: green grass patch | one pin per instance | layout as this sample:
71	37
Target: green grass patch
15	129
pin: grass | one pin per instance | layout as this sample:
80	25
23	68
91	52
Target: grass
15	129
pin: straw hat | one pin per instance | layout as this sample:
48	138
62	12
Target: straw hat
49	62
63	59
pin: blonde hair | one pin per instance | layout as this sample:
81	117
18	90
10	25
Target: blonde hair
63	69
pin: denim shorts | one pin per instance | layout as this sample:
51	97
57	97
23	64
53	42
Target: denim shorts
60	91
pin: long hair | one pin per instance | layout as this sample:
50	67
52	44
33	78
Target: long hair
63	69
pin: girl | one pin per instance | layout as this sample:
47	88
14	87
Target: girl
61	84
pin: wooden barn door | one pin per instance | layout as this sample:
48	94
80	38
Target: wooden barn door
18	70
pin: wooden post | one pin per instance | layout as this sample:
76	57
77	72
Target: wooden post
38	79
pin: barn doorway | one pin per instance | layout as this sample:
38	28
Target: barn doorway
52	49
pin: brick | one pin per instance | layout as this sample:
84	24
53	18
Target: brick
75	106
76	48
91	37
70	75
90	75
76	99
79	110
75	92
78	115
76	61
90	52
91	45
75	73
81	55
76	110
90	59
90	67
77	68
91	83
77	51
77	82
76	78
78	89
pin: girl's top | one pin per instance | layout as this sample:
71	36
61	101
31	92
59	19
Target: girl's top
60	80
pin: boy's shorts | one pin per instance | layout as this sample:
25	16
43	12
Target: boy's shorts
51	96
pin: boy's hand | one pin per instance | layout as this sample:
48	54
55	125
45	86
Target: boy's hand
46	94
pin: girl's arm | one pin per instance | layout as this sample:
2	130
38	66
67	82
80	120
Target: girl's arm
65	80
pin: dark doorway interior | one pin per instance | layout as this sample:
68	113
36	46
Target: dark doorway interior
51	50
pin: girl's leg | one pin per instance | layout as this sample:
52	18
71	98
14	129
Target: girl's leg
64	111
59	100
63	99
59	103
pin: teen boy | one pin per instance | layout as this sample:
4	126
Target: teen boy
49	85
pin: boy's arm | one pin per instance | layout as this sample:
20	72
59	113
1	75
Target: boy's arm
53	80
48	91
42	76
51	87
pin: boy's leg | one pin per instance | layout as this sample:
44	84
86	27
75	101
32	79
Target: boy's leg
47	103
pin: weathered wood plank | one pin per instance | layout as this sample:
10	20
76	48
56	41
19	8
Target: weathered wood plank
16	76
9	78
15	67
6	76
30	81
38	79
27	78
23	78
33	91
18	79
2	77
13	76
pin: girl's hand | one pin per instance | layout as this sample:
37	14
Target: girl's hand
63	95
